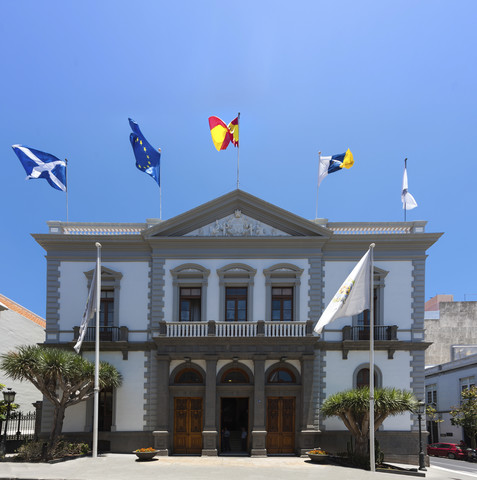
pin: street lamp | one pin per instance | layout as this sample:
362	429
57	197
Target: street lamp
9	397
421	408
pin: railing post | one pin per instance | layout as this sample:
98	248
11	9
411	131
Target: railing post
309	328
75	333
393	331
346	332
123	334
38	411
260	328
211	327
162	328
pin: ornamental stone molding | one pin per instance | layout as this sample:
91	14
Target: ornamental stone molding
237	225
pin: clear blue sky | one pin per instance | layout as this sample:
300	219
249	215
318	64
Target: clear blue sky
389	80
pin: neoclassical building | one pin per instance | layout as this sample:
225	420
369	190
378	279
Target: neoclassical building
209	317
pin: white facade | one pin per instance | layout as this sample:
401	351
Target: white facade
238	372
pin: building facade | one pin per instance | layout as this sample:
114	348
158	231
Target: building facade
209	317
450	328
444	385
20	326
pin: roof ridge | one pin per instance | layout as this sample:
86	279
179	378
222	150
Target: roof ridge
24	312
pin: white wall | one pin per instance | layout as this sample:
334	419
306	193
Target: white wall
397	291
395	373
259	291
16	330
133	294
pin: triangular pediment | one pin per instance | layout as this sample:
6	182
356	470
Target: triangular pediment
237	214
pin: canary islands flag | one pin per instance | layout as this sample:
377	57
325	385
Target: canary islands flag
148	160
334	163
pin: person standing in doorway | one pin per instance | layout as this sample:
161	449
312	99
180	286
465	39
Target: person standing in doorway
244	439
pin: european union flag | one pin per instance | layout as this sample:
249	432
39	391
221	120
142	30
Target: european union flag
148	160
42	165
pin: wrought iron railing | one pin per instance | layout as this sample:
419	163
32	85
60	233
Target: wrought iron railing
106	334
381	332
21	426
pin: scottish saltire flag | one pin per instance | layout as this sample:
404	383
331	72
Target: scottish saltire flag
148	160
408	201
42	165
334	163
89	311
353	297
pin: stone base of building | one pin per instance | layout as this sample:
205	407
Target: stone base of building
161	442
259	446
209	443
306	441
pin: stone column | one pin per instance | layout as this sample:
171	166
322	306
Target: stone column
307	432
162	435
259	433
210	434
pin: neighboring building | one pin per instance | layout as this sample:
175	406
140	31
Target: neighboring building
450	328
209	317
19	326
444	384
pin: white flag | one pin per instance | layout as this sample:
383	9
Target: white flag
408	201
352	297
89	311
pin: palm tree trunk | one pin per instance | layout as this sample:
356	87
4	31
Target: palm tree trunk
361	445
58	418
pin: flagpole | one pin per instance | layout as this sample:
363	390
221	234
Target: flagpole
66	181
160	190
318	184
238	150
96	355
405	170
372	459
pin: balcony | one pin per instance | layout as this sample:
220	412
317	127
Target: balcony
381	332
106	334
235	329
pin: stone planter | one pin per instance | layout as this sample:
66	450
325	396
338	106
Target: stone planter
318	458
144	456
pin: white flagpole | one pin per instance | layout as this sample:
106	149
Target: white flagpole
160	191
96	355
317	184
405	206
372	459
238	150
66	181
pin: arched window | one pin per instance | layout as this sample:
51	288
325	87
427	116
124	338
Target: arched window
189	375
235	375
362	378
281	375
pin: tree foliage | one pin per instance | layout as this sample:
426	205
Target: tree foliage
466	414
63	377
352	407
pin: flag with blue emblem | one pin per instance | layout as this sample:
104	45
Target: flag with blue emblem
148	160
334	163
42	165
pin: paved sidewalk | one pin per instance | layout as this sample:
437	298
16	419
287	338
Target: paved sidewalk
126	467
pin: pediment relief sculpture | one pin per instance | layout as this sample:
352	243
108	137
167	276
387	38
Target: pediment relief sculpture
237	225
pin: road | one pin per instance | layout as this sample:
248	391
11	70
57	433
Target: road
469	468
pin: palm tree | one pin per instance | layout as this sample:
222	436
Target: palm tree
352	406
63	377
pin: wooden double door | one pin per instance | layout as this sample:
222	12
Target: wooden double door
280	425
188	425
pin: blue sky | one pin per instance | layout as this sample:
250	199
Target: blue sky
389	80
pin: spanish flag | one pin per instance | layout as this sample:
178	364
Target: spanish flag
223	134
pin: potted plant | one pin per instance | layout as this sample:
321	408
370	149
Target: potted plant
145	453
318	455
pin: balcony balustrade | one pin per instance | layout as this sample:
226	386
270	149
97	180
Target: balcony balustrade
381	332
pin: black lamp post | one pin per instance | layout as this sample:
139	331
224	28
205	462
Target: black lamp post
421	407
9	397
